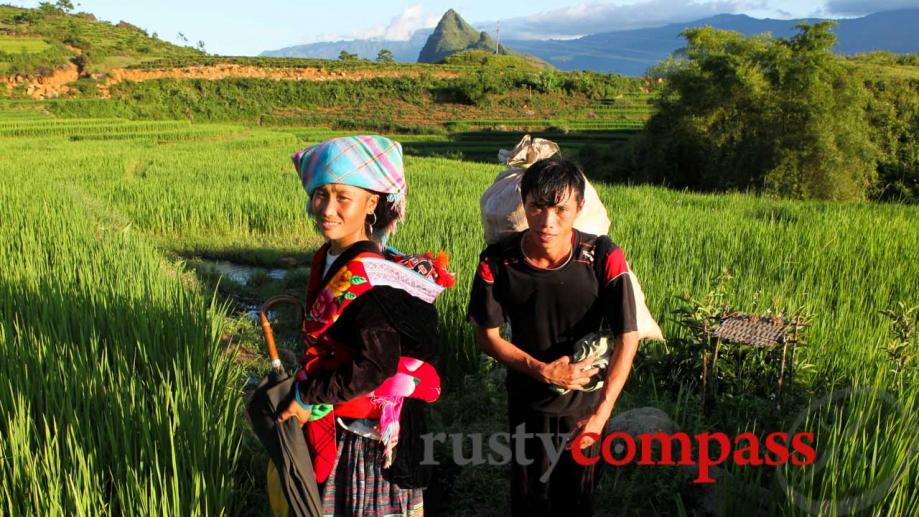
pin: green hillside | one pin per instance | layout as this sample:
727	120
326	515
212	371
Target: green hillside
882	65
33	40
483	59
452	35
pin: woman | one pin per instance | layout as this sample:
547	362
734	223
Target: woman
370	330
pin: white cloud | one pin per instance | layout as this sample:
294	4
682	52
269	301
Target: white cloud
400	28
861	7
591	18
412	18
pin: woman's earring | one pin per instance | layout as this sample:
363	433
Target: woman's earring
371	224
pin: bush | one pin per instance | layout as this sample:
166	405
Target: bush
242	98
544	82
604	162
38	63
894	115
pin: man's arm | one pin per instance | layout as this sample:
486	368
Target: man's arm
618	372
559	372
618	300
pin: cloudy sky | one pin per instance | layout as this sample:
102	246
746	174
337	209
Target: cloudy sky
244	27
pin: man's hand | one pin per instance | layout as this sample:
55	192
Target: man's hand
619	367
593	423
295	410
561	372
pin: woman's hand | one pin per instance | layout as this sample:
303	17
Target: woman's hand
561	372
296	410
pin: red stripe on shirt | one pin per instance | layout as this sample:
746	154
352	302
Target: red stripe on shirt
615	265
485	272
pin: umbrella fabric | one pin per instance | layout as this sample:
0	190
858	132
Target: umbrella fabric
285	444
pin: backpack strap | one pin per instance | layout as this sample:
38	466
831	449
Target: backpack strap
594	251
586	253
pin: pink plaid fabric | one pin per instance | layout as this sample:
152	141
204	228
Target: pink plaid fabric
370	162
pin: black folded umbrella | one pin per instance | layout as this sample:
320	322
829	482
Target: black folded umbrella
285	442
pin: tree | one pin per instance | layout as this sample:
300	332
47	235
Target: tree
825	149
347	56
48	8
385	56
200	46
782	116
59	7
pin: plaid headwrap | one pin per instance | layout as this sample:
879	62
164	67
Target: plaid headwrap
370	162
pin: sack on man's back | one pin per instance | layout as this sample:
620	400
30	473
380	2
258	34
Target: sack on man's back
647	327
502	207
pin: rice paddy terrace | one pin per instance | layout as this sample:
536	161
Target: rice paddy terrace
125	377
624	112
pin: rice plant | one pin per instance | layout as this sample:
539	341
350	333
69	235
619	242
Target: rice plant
118	398
117	392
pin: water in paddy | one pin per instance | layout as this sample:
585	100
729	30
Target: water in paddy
242	273
251	285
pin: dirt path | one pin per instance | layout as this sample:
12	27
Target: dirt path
55	85
223	71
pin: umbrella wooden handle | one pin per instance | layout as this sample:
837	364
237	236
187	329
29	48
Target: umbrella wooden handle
266	325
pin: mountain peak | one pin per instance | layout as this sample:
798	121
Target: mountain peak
453	34
452	21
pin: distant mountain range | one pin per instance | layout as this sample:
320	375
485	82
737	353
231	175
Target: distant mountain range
403	51
632	52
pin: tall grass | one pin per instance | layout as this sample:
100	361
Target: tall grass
116	397
116	380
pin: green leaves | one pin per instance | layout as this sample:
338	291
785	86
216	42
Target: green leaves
778	116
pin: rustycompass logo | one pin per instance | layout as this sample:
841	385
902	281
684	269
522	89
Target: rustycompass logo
806	458
619	449
746	449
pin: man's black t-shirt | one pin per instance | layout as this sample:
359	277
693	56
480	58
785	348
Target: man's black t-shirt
549	310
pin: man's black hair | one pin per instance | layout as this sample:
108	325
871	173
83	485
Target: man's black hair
549	179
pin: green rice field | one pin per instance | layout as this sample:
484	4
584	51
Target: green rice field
121	393
20	44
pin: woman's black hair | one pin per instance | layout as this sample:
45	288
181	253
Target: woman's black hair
385	214
549	179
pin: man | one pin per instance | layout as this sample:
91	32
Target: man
555	285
